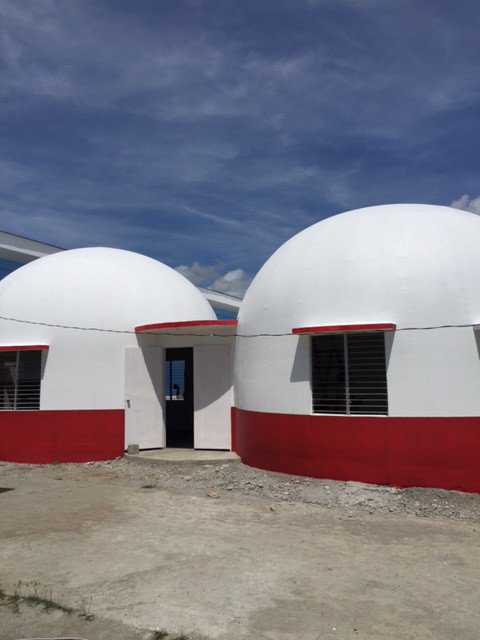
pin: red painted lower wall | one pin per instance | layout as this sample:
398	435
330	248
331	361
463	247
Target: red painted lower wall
404	452
40	437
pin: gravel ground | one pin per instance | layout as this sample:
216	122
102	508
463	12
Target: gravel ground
124	545
221	481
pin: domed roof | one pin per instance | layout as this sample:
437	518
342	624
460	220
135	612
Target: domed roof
100	287
407	264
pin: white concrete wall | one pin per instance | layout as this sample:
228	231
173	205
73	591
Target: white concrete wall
411	265
273	374
429	373
434	373
212	385
81	371
88	371
108	289
92	371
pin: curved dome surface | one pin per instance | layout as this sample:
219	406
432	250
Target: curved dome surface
407	264
100	287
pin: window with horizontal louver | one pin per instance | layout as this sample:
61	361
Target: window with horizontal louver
349	374
8	377
328	374
367	373
20	376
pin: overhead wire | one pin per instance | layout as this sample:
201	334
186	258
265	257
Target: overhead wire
213	334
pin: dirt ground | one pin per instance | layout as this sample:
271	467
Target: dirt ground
222	551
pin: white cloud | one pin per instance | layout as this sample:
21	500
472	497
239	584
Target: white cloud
234	282
207	142
467	203
199	274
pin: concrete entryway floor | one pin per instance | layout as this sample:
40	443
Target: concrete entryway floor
121	544
170	454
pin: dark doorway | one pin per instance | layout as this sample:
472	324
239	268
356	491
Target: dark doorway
179	397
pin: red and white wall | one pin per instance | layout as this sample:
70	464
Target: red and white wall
212	385
408	265
86	373
413	266
431	436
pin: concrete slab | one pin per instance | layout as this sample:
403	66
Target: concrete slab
200	456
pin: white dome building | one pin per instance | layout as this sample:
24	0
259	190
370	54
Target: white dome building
357	387
73	395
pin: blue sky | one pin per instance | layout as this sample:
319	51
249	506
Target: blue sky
206	133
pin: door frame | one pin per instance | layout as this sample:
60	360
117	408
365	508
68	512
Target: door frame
178	434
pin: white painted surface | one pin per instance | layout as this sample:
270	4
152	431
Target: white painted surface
22	250
100	287
414	265
213	396
212	384
434	373
83	371
144	397
115	289
95	287
273	374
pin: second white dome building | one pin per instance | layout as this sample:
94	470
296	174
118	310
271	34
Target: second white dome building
353	384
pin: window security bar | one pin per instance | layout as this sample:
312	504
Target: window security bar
349	374
20	375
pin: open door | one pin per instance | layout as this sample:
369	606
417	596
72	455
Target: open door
144	423
179	397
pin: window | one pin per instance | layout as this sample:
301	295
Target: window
175	379
349	374
20	374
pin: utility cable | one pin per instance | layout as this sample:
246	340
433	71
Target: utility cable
217	335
